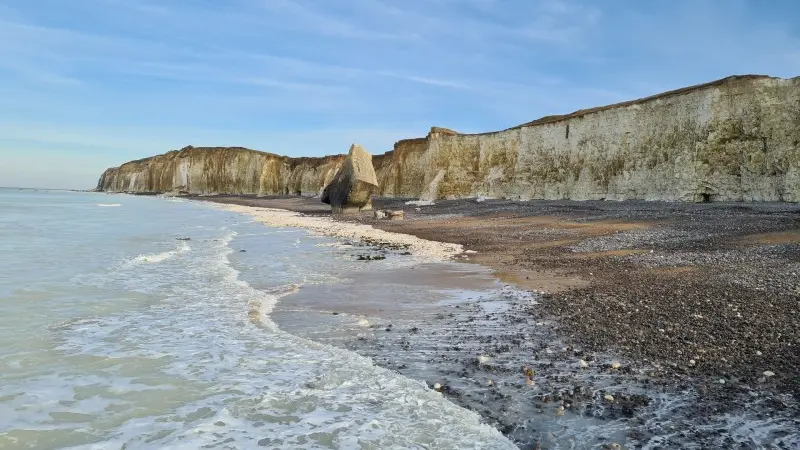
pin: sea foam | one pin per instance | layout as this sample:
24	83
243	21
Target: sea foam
154	258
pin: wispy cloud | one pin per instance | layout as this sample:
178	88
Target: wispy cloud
103	142
562	22
37	73
432	81
271	83
307	76
297	14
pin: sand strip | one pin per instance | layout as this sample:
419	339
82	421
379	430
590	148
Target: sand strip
422	249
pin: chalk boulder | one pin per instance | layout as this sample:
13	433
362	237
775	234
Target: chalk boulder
354	184
396	215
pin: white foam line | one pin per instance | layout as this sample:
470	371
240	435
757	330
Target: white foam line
429	250
159	257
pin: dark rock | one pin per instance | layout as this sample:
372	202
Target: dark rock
353	185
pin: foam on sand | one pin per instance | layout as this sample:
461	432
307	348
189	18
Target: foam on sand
327	226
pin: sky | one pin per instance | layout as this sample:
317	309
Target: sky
89	84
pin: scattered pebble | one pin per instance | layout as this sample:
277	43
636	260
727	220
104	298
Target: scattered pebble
615	364
437	387
583	364
768	373
609	398
658	348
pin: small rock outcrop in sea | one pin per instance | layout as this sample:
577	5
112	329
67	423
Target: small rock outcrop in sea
354	184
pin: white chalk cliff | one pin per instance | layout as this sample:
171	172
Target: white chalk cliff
735	139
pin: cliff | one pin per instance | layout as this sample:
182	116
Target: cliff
222	170
735	139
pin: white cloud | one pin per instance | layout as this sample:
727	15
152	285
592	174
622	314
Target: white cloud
131	78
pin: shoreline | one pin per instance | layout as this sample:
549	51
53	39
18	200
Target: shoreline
619	264
616	245
427	250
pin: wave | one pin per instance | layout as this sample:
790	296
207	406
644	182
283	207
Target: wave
74	322
155	258
261	306
355	379
109	205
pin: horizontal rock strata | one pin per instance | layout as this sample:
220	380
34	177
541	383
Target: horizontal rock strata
735	139
222	170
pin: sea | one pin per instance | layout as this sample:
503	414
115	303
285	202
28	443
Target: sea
145	322
149	322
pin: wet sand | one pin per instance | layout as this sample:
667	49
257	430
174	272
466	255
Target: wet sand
700	298
457	327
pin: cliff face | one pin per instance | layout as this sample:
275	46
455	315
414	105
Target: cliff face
222	170
735	139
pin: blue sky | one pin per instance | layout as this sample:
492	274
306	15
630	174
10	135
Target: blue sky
87	84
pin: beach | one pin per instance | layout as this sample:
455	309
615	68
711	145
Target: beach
149	324
650	314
